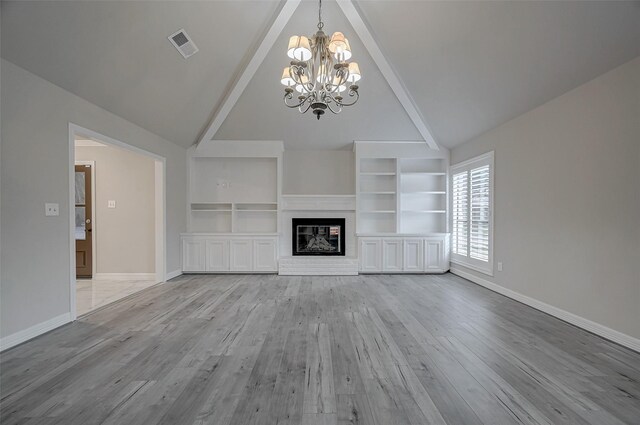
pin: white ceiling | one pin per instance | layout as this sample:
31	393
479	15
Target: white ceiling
469	66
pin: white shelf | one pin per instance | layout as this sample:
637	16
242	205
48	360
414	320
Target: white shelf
378	174
379	212
233	193
211	206
421	173
255	211
399	235
401	191
424	211
425	192
317	196
377	193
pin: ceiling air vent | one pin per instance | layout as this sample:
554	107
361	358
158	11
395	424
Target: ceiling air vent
183	43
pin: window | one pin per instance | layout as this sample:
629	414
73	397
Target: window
472	213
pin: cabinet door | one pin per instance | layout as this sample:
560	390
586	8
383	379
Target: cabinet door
193	253
241	255
217	255
392	255
413	255
370	255
434	255
265	256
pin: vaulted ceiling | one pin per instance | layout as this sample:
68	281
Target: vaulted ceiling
468	66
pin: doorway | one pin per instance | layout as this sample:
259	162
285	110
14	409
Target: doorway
84	220
117	195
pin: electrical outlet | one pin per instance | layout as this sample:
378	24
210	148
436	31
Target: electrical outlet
51	210
499	266
111	204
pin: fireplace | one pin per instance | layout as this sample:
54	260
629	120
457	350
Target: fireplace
318	236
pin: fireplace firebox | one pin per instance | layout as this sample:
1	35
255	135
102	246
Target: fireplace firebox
318	236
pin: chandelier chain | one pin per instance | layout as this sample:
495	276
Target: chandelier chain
320	23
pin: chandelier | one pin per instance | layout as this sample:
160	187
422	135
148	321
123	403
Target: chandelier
319	72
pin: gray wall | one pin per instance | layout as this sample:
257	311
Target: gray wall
567	200
35	160
318	172
125	235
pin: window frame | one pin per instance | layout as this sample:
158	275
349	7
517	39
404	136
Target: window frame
468	165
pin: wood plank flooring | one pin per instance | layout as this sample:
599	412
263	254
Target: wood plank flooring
379	350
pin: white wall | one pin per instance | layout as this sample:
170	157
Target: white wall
125	235
318	172
567	200
35	160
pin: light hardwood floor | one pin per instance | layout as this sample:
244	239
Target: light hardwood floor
319	350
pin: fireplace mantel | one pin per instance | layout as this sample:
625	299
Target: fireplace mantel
318	202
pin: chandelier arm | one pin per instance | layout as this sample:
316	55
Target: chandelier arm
338	109
305	109
289	95
352	93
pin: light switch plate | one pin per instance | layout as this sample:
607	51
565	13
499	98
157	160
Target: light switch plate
51	210
111	204
499	266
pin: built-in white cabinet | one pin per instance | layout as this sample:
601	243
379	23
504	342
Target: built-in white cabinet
370	255
392	255
401	206
404	254
193	255
397	218
211	253
241	255
413	253
265	256
233	207
401	188
436	254
217	253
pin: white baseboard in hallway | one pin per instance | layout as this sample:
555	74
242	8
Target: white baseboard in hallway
124	276
34	331
586	324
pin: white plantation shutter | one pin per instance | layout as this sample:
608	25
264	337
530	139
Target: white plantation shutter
472	204
460	228
479	234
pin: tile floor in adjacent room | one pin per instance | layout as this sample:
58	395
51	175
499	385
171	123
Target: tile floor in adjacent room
93	293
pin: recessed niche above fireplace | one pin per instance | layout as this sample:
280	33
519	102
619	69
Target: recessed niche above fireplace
318	236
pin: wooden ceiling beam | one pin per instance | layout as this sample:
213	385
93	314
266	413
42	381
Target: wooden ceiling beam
263	49
352	14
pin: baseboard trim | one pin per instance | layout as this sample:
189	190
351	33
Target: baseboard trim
34	331
124	276
586	324
174	274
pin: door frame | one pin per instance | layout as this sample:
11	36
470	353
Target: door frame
94	257
160	180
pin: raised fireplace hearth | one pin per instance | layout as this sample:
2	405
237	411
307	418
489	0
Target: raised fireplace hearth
318	236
